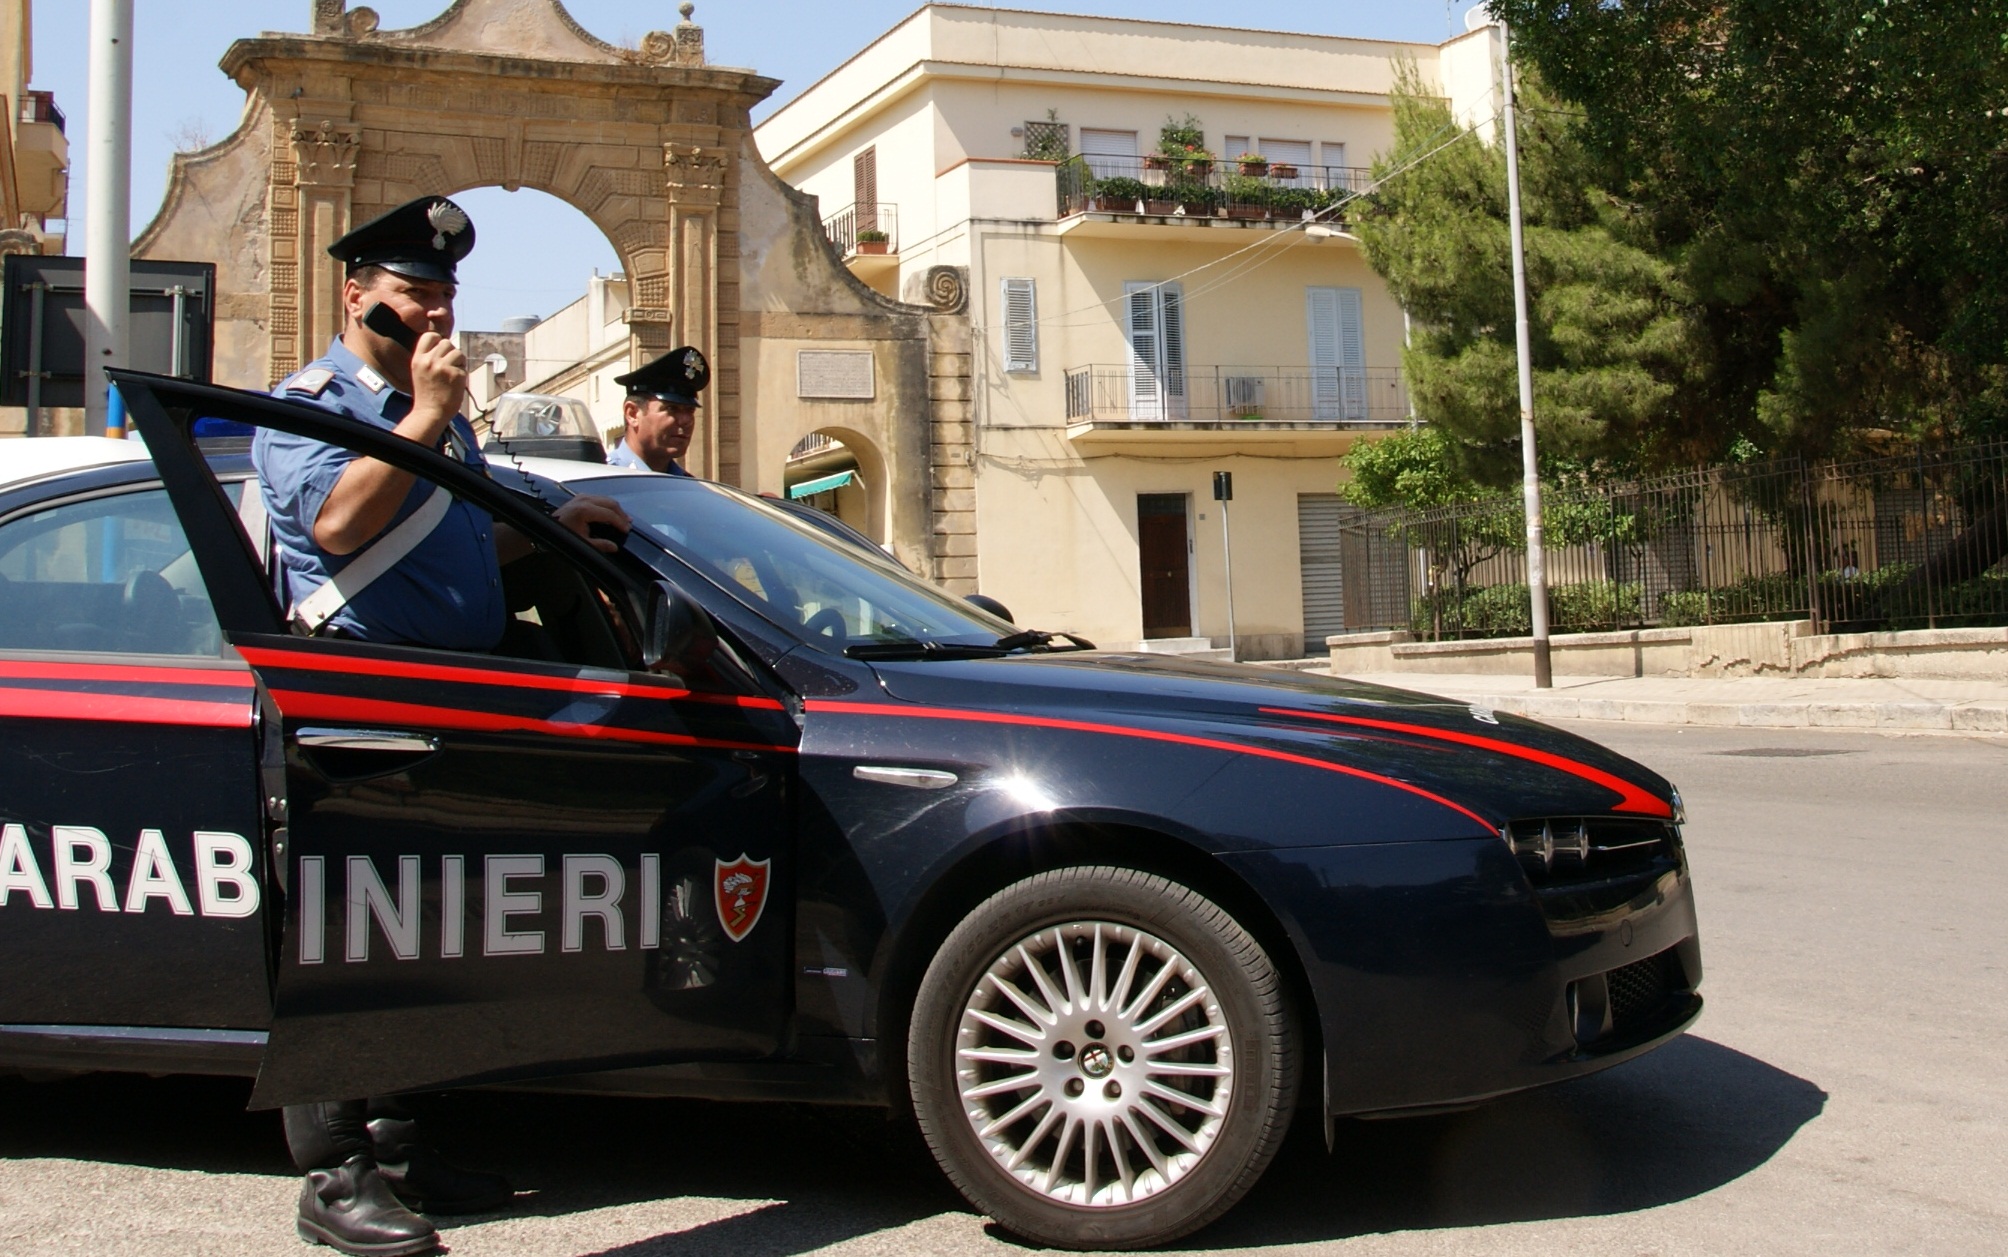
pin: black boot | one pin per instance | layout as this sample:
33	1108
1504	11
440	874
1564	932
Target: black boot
345	1203
426	1181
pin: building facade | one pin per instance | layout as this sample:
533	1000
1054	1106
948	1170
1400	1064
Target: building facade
1139	321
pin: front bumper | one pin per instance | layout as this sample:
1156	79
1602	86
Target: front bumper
1444	974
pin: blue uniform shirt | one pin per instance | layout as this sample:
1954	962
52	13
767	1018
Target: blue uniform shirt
447	592
622	456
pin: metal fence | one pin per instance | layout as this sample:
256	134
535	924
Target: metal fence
1153	185
1343	395
1914	540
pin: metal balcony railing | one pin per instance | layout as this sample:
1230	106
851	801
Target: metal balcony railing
1154	186
41	107
859	229
1337	395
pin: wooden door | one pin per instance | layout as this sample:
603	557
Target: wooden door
1164	558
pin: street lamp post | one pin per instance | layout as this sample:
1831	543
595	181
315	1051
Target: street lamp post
107	214
1537	567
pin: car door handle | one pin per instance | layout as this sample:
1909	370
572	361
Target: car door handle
366	740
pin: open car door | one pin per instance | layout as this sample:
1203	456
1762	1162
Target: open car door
499	867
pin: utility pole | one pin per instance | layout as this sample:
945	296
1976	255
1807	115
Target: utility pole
1537	564
107	213
1223	493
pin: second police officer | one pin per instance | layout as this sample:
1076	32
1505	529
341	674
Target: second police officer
660	412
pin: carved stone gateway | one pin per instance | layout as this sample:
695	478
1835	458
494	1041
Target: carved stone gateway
651	144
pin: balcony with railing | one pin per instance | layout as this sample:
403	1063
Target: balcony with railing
864	230
41	107
1231	397
1153	186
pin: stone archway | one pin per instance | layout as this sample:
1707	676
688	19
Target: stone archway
349	120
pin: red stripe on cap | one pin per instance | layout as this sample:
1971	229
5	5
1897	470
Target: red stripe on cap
124	708
1631	798
40	671
308	705
1126	731
360	665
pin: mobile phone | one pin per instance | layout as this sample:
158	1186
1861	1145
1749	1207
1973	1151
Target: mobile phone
383	320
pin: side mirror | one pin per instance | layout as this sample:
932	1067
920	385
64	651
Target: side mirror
677	630
983	602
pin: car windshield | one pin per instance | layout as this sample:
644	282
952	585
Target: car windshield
824	591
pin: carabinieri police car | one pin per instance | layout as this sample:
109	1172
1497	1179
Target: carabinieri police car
753	813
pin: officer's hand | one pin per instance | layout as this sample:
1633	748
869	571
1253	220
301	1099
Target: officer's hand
438	377
582	512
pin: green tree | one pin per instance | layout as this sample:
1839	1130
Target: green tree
1827	180
1612	336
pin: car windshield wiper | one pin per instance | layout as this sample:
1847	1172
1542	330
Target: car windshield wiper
913	649
1027	638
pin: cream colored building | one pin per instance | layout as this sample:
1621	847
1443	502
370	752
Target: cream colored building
35	162
1125	348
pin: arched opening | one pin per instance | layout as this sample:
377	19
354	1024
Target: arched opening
541	311
839	471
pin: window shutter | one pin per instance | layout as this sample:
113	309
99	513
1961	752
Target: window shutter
1146	396
1232	146
864	188
1021	325
1352	355
1338	353
1171	321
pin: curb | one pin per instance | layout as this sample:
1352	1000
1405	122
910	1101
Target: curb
1991	717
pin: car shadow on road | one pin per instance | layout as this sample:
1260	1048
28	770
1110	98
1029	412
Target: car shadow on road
1682	1121
1675	1124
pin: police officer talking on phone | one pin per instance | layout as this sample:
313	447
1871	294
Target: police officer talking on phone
660	412
393	367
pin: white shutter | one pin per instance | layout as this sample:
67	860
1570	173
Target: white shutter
1171	319
1146	393
1338	354
1021	325
1232	146
1352	355
1118	148
1290	153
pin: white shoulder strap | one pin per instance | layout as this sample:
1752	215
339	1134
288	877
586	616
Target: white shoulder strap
251	514
317	608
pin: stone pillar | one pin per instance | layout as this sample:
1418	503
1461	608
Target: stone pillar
311	200
951	432
698	175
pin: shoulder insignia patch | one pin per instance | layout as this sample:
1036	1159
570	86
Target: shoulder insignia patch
311	381
371	380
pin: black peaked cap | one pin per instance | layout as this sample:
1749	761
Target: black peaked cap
422	239
677	377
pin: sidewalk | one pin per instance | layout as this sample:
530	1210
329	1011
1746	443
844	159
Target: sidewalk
1979	706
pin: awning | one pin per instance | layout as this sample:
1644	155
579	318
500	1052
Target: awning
821	484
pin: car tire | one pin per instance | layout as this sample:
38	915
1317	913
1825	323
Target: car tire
1102	1058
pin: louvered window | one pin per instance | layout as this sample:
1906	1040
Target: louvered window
1338	353
864	188
1021	325
1157	350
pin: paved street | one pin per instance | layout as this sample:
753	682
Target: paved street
1844	1091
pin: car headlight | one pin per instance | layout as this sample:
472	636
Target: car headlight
1679	809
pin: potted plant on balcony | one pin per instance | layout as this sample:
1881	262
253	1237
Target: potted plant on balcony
1181	145
1119	195
1246	197
1252	164
872	240
1197	199
1282	171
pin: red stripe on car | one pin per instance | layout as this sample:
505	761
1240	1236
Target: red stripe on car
125	708
356	665
1631	798
310	705
36	670
1127	731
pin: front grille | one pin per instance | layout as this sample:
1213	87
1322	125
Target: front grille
1639	991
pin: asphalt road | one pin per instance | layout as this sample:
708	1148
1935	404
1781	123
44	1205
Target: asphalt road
1845	1091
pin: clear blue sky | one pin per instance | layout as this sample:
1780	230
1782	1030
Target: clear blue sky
535	252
